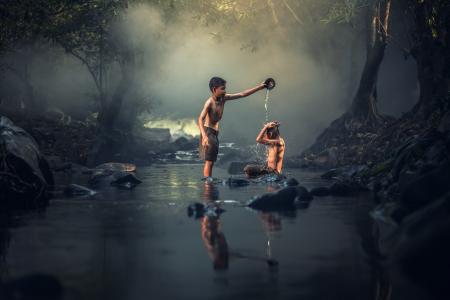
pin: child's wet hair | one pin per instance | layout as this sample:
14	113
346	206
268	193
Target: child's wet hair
216	82
273	131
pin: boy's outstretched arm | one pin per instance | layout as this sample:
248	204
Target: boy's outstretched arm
245	93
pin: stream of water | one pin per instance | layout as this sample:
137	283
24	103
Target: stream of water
141	244
266	104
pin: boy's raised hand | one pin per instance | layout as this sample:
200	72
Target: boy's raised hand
270	124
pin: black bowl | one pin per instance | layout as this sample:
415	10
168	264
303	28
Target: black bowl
269	83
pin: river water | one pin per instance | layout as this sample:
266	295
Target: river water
141	244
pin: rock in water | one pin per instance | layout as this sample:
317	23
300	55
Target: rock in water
125	180
303	194
199	210
108	169
281	199
235	182
195	210
75	190
290	182
114	166
253	170
26	176
236	167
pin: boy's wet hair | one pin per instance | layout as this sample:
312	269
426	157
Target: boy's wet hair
216	82
273	131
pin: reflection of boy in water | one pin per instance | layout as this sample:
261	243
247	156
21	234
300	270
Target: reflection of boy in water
271	221
269	136
211	232
215	242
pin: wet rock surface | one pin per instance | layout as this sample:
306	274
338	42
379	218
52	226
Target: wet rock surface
26	177
199	210
76	190
283	199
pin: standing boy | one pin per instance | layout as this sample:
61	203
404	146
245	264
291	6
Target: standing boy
211	114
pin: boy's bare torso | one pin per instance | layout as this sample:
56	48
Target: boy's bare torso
275	153
214	114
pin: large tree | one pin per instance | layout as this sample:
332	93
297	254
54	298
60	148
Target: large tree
23	28
430	26
364	105
90	32
87	30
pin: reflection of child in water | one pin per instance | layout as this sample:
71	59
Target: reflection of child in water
215	242
271	221
269	136
212	235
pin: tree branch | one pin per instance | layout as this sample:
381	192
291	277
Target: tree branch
292	12
386	17
274	14
91	71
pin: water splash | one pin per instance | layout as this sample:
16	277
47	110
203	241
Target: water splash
266	105
259	153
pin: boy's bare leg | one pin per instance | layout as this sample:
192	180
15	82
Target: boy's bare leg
207	169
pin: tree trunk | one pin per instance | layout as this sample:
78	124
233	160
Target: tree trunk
364	103
110	112
23	75
432	54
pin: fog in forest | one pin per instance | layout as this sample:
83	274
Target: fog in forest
316	78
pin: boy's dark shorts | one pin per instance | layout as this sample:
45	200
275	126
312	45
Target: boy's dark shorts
210	152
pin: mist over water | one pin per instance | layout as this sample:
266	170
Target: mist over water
316	67
315	80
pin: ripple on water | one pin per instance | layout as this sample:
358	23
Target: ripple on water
141	244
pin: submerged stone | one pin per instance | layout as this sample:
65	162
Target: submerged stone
200	210
75	190
125	180
236	182
281	199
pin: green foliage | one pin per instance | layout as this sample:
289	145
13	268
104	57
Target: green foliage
24	21
344	11
86	31
80	27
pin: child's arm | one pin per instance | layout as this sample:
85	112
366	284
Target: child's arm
201	118
271	142
281	156
260	137
245	93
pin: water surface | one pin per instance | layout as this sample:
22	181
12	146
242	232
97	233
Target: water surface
140	244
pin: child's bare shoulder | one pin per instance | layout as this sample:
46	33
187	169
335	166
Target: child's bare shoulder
208	101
